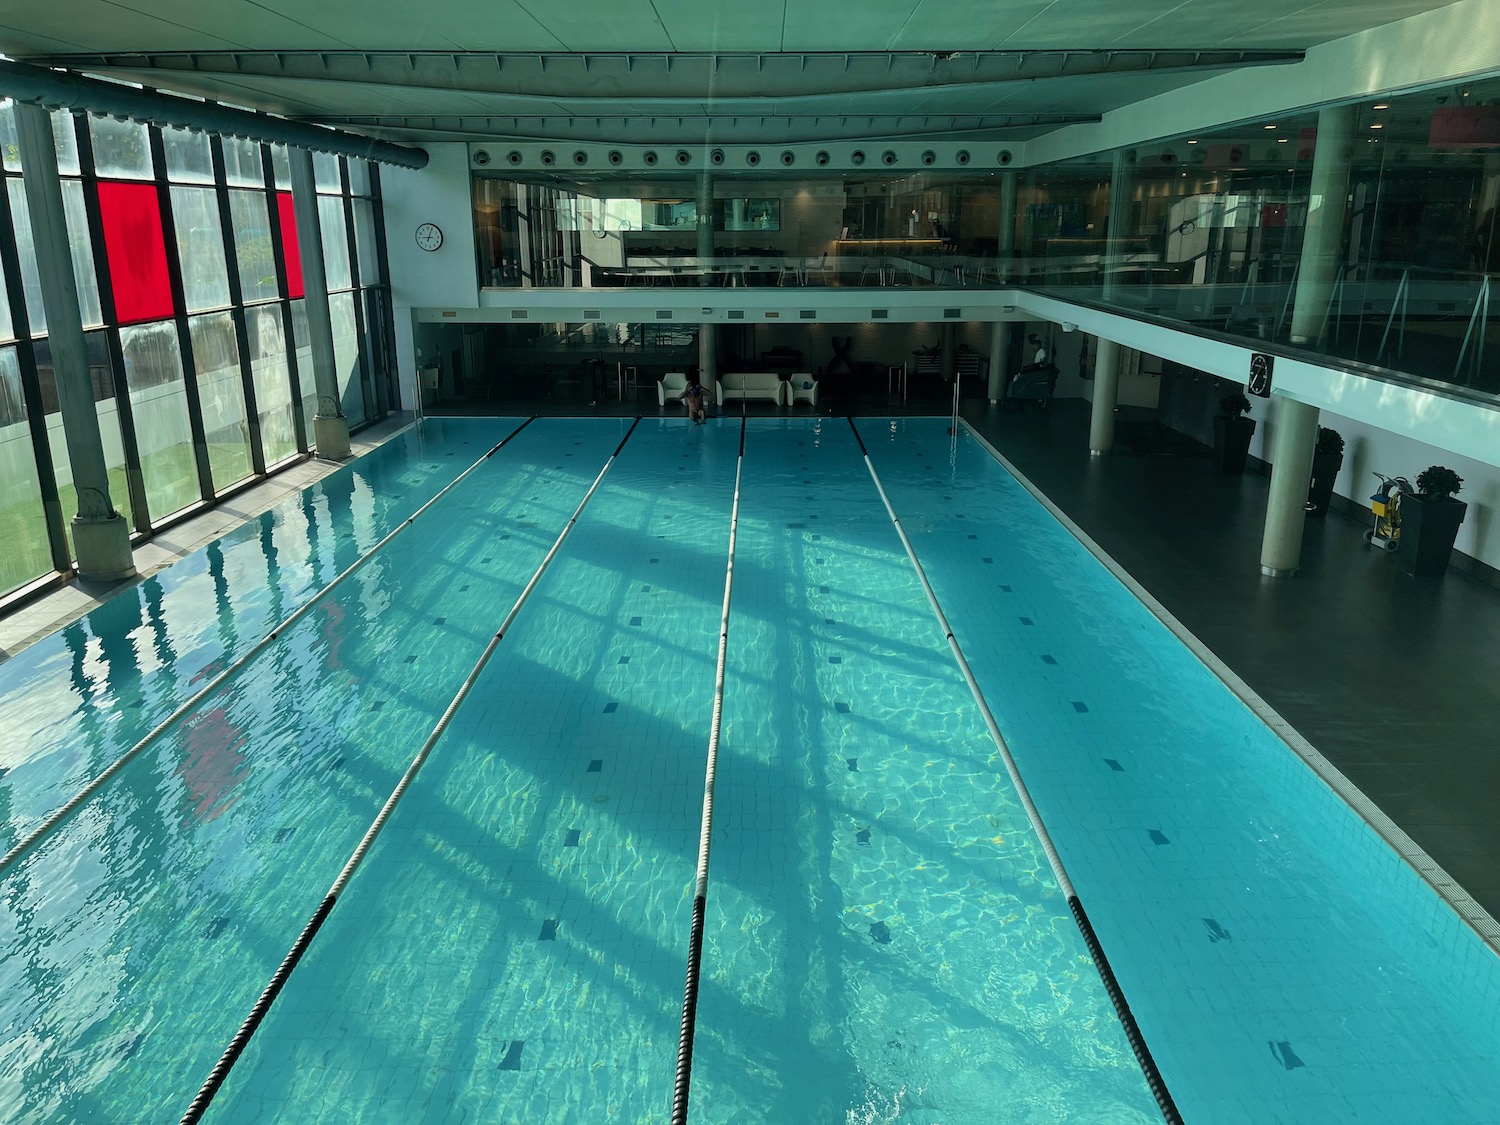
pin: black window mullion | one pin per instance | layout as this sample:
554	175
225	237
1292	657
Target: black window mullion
54	518
288	328
373	410
383	279
237	304
135	480
184	329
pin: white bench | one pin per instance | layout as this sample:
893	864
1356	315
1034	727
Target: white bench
670	386
802	387
751	384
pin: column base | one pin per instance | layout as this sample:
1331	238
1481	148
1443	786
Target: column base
1278	571
331	437
103	548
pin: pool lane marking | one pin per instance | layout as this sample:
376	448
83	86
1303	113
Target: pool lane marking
1106	974
28	842
241	1040
1475	916
683	1081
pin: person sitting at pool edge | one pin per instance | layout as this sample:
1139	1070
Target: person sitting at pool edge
692	398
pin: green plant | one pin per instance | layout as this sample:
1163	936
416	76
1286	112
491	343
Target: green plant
1438	482
1234	405
1330	441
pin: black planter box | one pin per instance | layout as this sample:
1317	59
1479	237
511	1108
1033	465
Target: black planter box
1325	470
1428	529
1232	442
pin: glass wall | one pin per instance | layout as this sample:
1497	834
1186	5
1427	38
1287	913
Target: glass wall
1364	232
188	277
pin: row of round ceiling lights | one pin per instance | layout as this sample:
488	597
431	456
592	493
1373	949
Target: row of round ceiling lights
718	157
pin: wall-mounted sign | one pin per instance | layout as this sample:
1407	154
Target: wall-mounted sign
1260	374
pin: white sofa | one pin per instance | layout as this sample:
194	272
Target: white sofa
751	384
669	386
802	387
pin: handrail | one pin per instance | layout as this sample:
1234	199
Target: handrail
241	1040
50	825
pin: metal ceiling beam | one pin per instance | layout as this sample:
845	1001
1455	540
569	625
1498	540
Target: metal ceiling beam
56	89
639	75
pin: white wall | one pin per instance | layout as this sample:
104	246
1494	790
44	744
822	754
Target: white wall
445	278
1445	45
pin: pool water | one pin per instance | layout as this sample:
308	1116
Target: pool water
884	940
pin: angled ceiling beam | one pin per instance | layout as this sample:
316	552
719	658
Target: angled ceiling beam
55	89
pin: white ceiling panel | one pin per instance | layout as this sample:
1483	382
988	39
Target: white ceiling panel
97	26
727	27
872	25
940	25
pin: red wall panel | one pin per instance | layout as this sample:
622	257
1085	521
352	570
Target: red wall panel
289	248
136	251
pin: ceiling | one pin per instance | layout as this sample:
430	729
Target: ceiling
682	71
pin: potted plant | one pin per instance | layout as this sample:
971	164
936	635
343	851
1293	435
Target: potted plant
1328	459
1232	433
1430	518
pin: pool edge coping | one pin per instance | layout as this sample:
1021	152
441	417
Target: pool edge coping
1485	927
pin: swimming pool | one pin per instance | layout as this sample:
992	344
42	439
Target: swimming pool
884	940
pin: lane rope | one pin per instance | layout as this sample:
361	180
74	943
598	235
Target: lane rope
683	1083
1111	986
29	842
241	1040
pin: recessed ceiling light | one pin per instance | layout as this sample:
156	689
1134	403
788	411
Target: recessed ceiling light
1377	125
1382	105
1282	140
1192	142
1270	126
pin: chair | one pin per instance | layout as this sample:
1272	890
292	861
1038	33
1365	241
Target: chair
672	384
821	269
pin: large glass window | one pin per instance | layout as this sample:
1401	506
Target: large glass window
302	341
23	529
254	256
335	238
64	139
158	400
189	157
200	248
364	241
80	249
221	394
122	149
273	383
242	167
326	172
347	356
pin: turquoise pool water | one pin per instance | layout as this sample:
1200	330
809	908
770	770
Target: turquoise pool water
884	940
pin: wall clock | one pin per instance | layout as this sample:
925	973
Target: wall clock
429	236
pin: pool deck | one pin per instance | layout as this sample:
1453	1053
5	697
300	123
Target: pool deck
1391	678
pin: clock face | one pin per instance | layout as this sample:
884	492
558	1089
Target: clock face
429	237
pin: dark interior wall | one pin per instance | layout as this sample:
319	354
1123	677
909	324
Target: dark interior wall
1190	400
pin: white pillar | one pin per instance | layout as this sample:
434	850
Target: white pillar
101	537
708	356
1106	394
1119	221
1006	244
1291	466
330	427
1324	234
999	359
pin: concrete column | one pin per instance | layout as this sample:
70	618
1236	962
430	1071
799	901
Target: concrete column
330	427
101	537
999	359
708	356
1006	244
1323	237
1106	394
1295	440
1119	215
705	222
